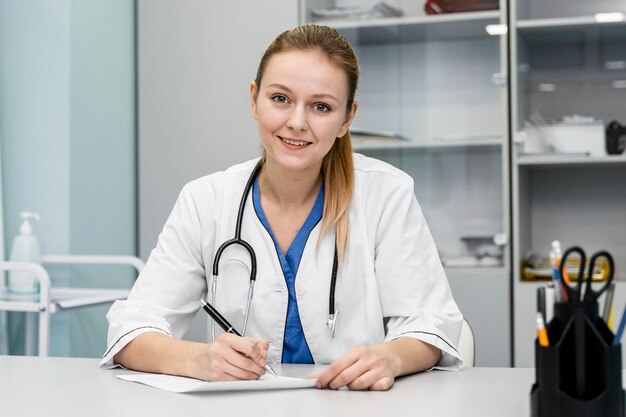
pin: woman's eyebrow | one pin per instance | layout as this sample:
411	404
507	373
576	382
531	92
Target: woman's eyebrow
315	96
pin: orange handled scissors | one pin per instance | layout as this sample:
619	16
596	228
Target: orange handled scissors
574	292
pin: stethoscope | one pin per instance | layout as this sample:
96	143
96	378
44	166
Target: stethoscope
237	240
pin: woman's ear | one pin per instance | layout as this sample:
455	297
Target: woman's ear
349	117
253	96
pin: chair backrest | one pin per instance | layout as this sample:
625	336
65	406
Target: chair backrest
466	345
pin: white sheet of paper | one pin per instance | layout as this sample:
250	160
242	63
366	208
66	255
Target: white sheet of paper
183	384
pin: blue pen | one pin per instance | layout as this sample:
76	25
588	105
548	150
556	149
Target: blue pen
620	331
556	277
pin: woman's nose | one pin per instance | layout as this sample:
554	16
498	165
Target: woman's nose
297	119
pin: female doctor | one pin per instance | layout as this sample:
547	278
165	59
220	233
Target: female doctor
387	312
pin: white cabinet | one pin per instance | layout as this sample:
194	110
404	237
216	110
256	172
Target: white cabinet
439	82
567	62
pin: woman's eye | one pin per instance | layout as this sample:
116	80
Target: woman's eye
280	99
321	107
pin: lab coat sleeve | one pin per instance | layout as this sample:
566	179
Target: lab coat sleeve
415	295
166	295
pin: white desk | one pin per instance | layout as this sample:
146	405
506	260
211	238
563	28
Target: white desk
33	386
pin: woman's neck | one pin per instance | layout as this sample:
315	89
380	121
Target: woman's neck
288	188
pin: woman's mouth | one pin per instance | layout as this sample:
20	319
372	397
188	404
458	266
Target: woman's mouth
294	142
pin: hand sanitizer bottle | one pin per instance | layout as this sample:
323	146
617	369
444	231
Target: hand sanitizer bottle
25	249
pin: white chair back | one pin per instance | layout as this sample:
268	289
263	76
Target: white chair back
466	345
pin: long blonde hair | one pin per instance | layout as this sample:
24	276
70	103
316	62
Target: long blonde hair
337	165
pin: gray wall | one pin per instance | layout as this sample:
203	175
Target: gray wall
196	60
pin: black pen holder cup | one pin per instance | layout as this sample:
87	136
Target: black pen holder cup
580	373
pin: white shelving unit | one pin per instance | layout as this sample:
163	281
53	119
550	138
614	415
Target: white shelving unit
440	82
564	62
51	300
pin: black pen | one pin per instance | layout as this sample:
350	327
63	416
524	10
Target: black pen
541	302
227	327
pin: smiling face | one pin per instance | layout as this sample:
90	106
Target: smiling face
300	108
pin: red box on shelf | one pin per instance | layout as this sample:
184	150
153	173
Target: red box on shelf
457	6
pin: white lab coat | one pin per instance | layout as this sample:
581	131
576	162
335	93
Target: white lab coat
391	284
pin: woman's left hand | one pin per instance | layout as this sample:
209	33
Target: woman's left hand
360	368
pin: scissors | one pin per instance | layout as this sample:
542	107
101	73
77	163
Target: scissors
574	293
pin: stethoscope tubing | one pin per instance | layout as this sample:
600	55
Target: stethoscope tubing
237	240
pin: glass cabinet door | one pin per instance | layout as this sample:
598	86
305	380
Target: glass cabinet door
433	102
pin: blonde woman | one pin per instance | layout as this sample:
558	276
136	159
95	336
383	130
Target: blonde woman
346	271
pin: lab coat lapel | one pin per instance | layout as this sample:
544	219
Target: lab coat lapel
269	306
312	290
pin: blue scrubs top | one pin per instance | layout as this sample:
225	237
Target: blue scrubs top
295	348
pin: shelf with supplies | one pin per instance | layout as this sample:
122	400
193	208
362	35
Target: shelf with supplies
538	268
579	204
416	28
568	88
569	72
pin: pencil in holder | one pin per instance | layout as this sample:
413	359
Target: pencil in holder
580	373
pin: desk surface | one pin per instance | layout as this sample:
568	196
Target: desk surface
32	386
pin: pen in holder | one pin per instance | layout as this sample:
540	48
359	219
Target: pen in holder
580	373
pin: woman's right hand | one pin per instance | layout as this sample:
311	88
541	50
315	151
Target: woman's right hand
230	357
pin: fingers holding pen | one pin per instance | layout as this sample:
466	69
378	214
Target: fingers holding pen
254	350
259	353
235	357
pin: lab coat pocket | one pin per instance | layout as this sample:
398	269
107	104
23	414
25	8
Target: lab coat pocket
359	308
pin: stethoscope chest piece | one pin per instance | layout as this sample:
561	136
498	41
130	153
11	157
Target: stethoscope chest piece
332	323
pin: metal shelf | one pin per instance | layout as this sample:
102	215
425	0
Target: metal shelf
61	299
416	28
581	22
391	144
571	160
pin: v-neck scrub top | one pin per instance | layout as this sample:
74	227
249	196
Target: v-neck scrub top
295	348
390	283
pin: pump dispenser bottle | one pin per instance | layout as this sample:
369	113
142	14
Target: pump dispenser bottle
25	249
